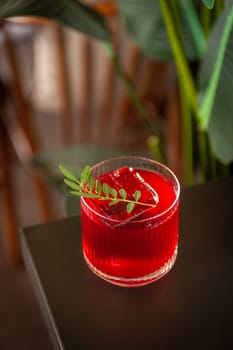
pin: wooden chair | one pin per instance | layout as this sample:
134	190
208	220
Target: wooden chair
95	114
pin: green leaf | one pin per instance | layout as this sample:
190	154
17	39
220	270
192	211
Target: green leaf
209	3
130	207
137	195
68	12
113	192
98	187
76	193
67	173
91	183
72	185
196	31
123	193
145	24
85	174
216	86
84	194
106	189
114	201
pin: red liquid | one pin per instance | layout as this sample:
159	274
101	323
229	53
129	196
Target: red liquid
140	246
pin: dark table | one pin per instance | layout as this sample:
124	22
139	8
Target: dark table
190	308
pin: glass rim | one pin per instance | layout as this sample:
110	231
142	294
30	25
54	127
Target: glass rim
153	217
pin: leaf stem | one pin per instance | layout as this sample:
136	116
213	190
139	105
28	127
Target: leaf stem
181	63
187	138
139	107
187	88
194	25
208	161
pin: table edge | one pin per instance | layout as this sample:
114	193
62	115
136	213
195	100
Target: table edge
40	294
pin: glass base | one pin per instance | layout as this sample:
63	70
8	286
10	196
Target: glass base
134	282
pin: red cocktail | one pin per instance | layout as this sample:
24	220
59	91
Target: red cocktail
136	248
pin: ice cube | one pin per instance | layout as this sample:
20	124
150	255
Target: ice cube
129	179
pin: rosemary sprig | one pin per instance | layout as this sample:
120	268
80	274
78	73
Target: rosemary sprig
89	187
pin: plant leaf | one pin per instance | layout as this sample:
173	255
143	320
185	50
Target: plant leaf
137	195
68	12
106	189
72	185
123	193
91	182
196	31
84	194
130	207
145	24
67	173
98	187
209	3
85	174
114	201
216	85
113	192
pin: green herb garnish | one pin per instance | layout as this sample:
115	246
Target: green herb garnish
87	186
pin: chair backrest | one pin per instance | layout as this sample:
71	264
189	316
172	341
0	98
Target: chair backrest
74	81
79	83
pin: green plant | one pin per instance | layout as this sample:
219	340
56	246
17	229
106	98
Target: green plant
190	33
198	37
88	187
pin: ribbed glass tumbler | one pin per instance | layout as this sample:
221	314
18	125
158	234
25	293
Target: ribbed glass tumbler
136	248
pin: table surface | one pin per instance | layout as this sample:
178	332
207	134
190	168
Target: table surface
190	308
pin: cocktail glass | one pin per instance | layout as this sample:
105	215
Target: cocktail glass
137	248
